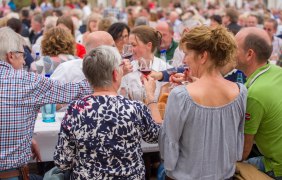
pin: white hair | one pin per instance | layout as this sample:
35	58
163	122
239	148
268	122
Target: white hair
10	41
50	22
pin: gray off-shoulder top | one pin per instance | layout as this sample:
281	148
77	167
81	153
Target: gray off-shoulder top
199	142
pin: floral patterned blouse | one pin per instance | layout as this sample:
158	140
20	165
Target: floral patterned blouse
100	138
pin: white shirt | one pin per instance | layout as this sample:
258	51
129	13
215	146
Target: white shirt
86	12
79	39
70	71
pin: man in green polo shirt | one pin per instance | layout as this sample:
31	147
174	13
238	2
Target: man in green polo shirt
263	123
167	43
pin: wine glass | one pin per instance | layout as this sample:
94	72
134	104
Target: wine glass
171	70
127	52
145	66
186	72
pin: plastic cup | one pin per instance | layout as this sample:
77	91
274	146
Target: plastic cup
48	113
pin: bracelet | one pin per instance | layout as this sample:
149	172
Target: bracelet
152	102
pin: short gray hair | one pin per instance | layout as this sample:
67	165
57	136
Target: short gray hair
38	18
10	41
99	63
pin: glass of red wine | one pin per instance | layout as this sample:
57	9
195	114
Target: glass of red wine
186	72
127	52
145	66
171	70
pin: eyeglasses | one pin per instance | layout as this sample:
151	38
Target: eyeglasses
17	53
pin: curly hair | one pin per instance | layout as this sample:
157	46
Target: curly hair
218	42
57	41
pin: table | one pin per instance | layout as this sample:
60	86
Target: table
46	135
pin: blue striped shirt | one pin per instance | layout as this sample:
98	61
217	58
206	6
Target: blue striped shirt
21	96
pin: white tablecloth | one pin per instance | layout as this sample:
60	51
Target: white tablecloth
46	135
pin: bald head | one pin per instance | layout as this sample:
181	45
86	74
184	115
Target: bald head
257	40
254	31
98	38
173	16
163	25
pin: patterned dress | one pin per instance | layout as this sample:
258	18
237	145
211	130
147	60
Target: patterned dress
100	138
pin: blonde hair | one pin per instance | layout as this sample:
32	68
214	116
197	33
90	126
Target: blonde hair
104	24
93	17
218	42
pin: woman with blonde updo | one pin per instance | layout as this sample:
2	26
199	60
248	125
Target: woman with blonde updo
202	136
58	46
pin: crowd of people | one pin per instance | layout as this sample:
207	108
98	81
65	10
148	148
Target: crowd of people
214	68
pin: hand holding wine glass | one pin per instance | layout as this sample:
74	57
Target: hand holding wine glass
186	73
126	66
149	87
184	78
